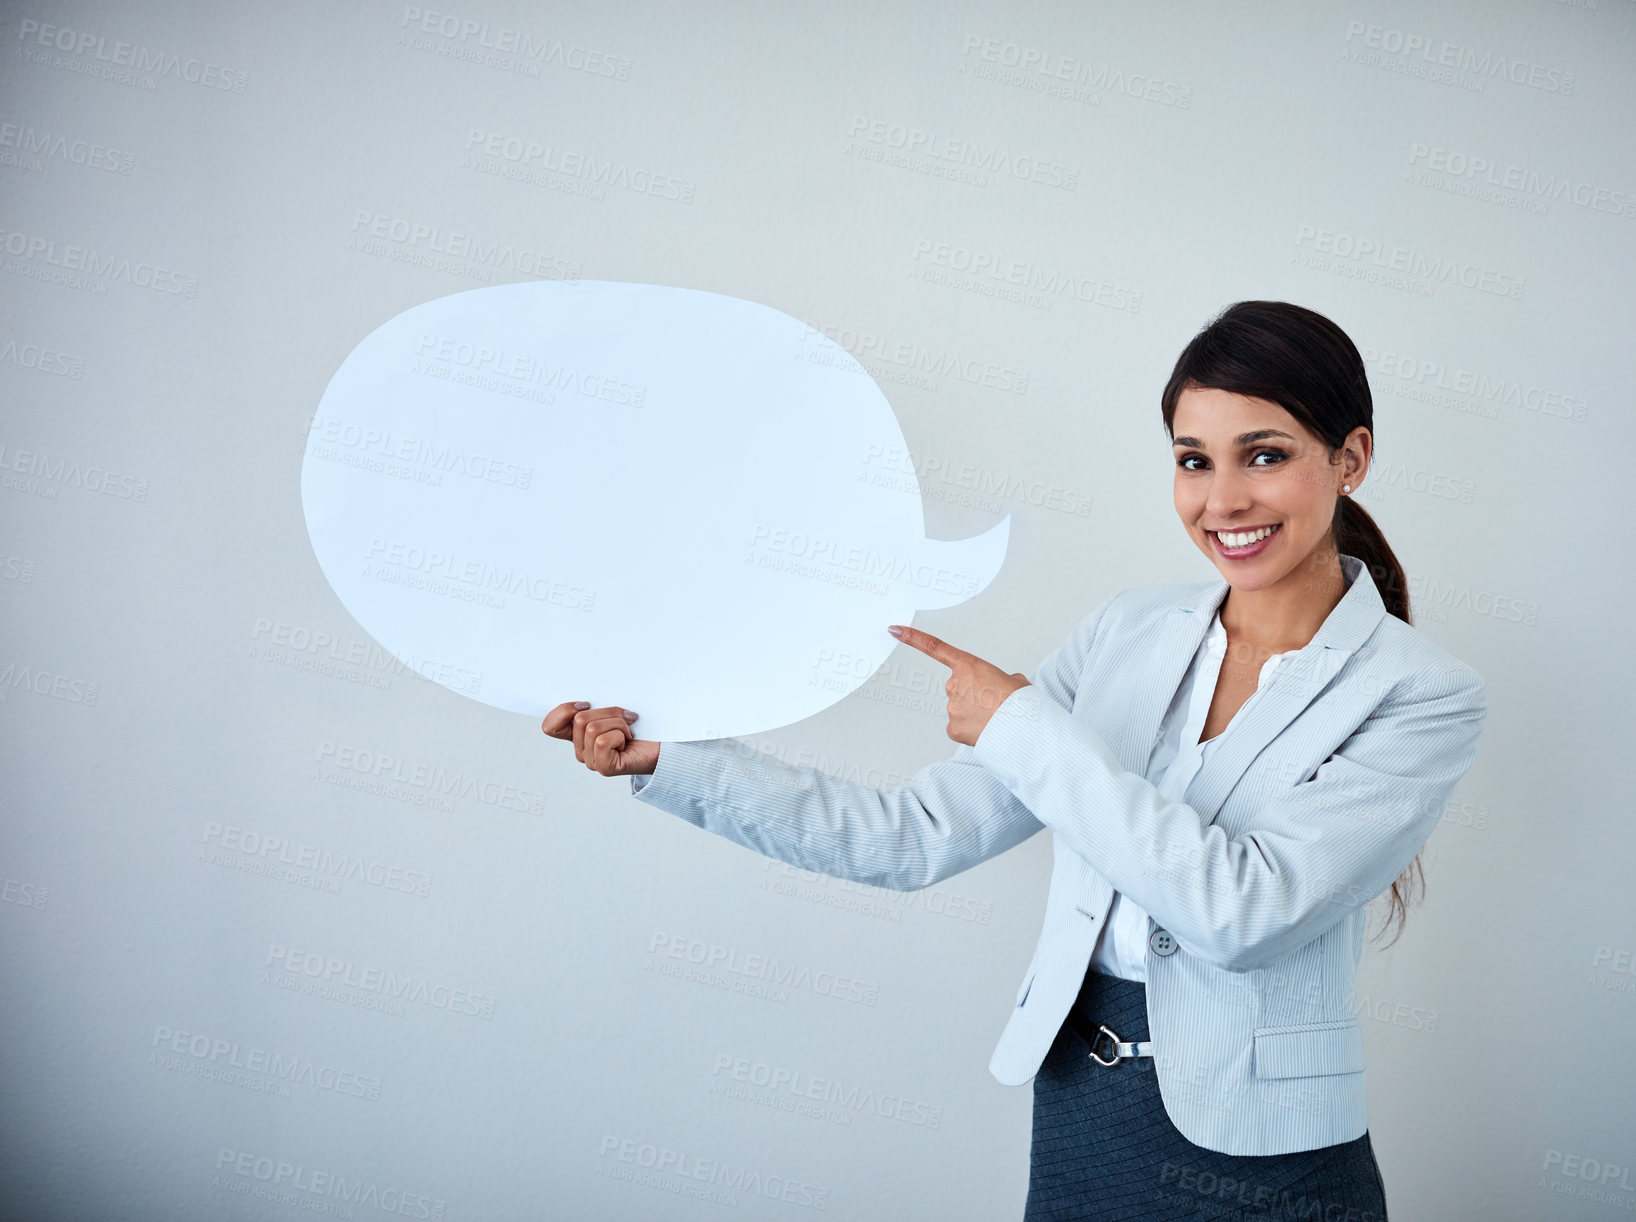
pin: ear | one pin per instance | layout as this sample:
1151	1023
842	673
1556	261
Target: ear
1356	451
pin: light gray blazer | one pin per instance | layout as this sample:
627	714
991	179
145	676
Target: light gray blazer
1309	806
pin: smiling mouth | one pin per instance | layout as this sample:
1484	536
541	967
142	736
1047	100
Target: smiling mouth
1233	540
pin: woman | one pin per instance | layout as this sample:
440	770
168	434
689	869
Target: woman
1232	769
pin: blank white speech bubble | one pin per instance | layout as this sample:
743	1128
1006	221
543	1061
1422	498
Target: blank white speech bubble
676	501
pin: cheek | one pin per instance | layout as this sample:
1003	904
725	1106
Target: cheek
1301	491
1186	498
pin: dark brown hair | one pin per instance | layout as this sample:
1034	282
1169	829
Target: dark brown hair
1300	360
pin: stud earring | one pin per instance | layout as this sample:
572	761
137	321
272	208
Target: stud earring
1346	487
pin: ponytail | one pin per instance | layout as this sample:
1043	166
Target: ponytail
1357	534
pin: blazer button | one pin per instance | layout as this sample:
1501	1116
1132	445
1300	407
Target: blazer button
1162	942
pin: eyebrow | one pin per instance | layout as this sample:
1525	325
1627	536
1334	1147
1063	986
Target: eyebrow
1242	439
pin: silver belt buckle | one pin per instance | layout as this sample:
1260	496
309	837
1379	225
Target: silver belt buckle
1102	1030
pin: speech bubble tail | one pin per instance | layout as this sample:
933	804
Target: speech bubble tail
963	567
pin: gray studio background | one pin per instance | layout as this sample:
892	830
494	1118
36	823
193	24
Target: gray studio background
1015	216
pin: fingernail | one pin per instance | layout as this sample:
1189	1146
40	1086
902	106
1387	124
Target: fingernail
630	716
895	630
582	704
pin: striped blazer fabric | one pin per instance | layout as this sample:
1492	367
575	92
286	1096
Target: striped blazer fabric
1309	806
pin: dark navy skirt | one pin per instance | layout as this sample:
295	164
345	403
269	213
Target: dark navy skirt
1105	1149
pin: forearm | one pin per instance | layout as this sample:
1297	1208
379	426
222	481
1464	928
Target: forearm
948	817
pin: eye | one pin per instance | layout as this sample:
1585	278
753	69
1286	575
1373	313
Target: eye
1277	456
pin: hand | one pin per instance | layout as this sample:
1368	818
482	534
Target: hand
602	739
975	689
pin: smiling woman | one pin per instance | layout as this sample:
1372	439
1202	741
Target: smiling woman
1231	771
1271	425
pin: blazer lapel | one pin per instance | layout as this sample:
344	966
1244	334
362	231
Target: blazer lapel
1291	687
1181	629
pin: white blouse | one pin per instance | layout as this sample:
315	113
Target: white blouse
1121	948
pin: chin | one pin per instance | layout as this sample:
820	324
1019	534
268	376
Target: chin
1248	582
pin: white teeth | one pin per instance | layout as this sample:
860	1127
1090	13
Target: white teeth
1243	538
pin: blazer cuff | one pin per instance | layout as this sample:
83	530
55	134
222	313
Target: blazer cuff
685	772
1030	734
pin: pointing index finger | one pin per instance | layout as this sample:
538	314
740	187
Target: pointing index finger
933	647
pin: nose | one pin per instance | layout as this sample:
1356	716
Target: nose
1228	494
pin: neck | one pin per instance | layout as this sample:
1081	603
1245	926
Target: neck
1287	614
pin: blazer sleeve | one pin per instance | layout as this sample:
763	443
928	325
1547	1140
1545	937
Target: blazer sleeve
1332	844
950	816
